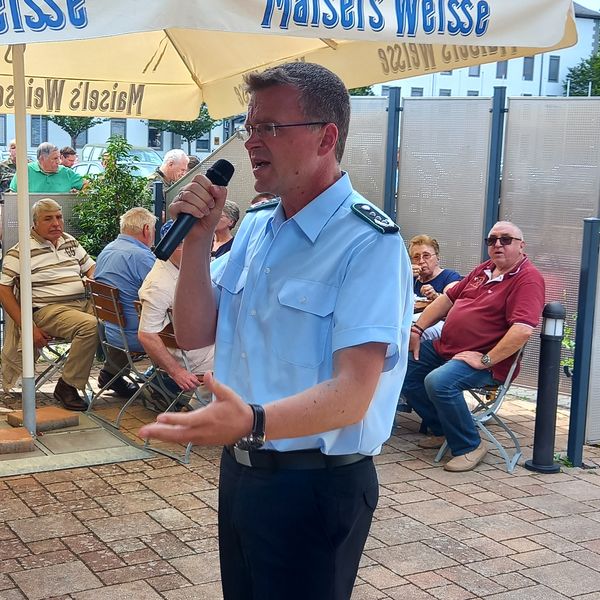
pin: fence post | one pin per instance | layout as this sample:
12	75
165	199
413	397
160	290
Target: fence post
391	152
586	304
492	197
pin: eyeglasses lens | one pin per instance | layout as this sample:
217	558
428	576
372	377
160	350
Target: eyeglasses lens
505	240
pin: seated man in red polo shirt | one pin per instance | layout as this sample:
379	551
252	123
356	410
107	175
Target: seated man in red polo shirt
490	315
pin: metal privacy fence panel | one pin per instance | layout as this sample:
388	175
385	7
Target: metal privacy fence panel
550	183
443	165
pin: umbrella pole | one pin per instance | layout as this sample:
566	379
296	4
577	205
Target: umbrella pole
28	390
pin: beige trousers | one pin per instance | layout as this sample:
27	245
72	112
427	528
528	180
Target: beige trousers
74	321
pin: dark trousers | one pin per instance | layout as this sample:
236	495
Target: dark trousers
293	534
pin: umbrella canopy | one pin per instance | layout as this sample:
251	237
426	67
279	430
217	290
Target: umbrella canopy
165	57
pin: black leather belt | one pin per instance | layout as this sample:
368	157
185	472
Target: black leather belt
295	459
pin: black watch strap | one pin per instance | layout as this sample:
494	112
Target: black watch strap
258	425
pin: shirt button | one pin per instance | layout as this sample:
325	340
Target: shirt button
267	270
244	355
252	313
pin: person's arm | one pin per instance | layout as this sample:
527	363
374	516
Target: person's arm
13	183
90	272
194	287
161	356
338	402
11	306
512	341
437	310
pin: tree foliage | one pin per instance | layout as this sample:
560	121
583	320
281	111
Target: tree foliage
108	195
362	91
580	76
75	125
188	130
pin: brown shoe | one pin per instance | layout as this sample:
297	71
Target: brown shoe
467	461
68	396
432	442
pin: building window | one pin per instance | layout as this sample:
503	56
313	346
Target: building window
475	71
3	130
528	63
416	91
203	143
554	68
118	127
155	138
501	69
472	93
39	130
445	72
444	92
385	90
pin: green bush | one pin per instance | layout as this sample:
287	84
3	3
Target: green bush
108	195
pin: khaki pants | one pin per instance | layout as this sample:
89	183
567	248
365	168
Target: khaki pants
74	321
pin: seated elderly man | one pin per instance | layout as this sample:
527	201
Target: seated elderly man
60	308
157	294
124	263
174	166
490	315
47	175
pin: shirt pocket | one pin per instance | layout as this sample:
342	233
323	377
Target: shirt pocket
304	321
230	285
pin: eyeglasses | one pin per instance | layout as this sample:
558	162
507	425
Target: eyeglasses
424	256
505	240
265	130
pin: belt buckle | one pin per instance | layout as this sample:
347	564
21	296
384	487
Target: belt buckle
242	456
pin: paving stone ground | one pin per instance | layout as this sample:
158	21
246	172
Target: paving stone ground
146	530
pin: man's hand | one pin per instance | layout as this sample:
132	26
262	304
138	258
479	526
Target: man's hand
185	380
203	200
414	344
224	421
40	337
472	358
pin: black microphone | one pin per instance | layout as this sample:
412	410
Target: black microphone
219	174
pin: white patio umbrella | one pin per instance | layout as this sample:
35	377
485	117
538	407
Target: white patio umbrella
163	58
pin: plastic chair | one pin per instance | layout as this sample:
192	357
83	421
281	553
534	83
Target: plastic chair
108	309
489	400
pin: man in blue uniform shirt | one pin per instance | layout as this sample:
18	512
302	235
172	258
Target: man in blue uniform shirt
311	312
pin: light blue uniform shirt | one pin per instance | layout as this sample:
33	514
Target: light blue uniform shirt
124	263
292	292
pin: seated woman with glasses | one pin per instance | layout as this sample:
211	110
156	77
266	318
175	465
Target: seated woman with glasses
430	280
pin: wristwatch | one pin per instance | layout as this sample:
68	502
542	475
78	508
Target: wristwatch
256	438
486	360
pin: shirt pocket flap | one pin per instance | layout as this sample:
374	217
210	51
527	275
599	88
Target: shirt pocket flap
308	296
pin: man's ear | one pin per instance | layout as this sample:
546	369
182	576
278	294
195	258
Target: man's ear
329	138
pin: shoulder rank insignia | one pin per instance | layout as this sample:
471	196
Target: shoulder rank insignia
262	205
374	217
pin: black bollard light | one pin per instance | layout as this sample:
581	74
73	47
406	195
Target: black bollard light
547	397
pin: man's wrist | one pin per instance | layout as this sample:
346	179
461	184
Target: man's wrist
417	329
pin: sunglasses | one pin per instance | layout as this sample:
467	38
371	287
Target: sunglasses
505	240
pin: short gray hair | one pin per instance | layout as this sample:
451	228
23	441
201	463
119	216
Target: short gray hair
134	219
323	95
232	211
46	149
175	155
45	205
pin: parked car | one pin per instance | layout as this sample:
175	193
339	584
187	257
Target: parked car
94	167
138	154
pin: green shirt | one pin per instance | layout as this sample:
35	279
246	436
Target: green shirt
61	182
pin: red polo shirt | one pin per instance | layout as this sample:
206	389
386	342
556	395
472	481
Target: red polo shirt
484	309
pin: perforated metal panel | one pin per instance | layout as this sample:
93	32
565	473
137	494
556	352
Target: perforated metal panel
10	223
364	156
443	162
550	183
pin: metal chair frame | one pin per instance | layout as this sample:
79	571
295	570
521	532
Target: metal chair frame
108	309
489	401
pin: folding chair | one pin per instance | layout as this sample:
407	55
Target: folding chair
108	309
167	336
489	400
54	355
